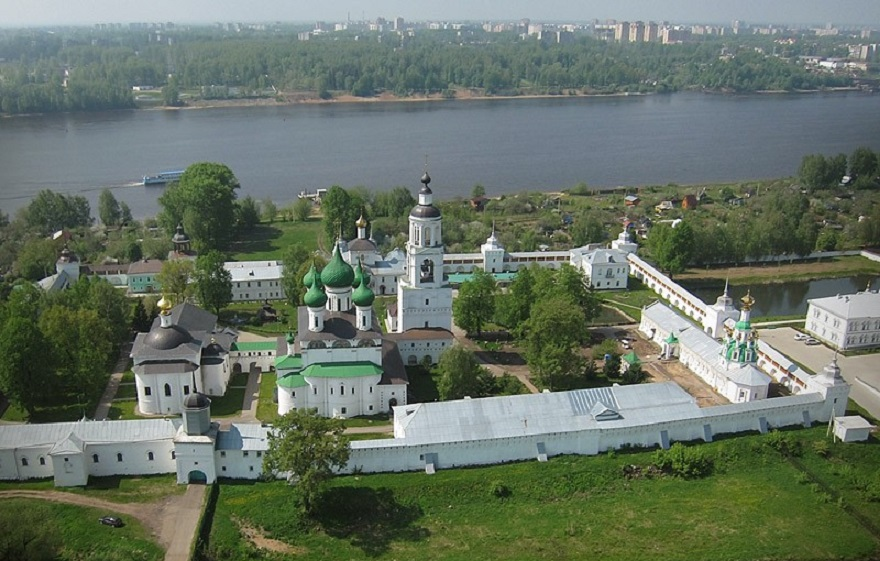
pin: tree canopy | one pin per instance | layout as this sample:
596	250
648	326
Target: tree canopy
204	202
461	375
672	247
308	449
475	304
212	282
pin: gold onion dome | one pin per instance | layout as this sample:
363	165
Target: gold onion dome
747	301
361	222
164	305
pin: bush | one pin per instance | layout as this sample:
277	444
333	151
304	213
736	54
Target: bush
821	448
499	490
784	443
688	462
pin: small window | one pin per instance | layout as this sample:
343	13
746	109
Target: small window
167	390
94	458
42	461
223	468
24	462
173	455
251	468
150	456
148	390
119	456
344	411
259	454
185	390
371	407
245	454
426	301
222	453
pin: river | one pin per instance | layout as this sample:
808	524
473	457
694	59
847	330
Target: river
506	145
788	298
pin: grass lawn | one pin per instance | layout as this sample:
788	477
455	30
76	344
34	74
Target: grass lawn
227	405
371	421
268	241
755	505
123	409
267	409
117	489
127	377
77	534
610	315
370	436
126	391
51	414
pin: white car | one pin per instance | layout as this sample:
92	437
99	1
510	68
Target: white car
812	341
800	336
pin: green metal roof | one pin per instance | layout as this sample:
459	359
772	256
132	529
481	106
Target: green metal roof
294	362
343	370
254	346
459	278
363	296
672	338
292	381
631	358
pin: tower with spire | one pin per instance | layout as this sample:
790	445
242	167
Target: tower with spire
741	343
718	313
424	297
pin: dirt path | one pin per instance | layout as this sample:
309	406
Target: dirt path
171	521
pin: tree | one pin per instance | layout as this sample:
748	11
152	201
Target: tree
553	335
611	368
307	448
268	210
587	228
341	210
302	209
36	259
863	163
672	248
513	307
212	282
247	215
171	93
634	375
25	362
174	279
478	191
125	217
394	203
293	259
108	208
461	375
204	202
82	343
475	304
140	321
50	212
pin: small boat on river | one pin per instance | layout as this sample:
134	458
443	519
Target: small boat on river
163	177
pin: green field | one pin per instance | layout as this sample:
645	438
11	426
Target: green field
116	489
268	241
267	410
72	532
756	504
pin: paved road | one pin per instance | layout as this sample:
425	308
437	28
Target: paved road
863	371
181	522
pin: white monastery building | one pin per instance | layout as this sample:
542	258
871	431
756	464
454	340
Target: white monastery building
846	322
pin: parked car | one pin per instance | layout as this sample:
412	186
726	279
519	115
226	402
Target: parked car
801	336
812	341
114	521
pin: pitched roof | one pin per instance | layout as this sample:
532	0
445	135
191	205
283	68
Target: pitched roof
851	306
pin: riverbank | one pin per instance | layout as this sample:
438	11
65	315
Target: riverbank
781	272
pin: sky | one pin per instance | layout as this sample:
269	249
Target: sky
793	12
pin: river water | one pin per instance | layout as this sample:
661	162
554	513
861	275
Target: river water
788	298
506	145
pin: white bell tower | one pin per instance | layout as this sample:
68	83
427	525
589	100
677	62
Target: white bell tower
424	298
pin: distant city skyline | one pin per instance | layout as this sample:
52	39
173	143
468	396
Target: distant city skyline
783	12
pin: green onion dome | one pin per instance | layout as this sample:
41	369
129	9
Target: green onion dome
311	276
358	276
337	273
363	296
315	297
290	338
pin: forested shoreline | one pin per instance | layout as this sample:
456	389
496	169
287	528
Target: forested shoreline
85	69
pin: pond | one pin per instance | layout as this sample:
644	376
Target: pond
788	298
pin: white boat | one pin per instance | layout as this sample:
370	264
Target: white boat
163	177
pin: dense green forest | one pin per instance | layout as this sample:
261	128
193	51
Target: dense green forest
85	69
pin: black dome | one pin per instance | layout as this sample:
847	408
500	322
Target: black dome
196	401
166	338
425	211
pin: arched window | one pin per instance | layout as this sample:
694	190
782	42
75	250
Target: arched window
150	456
173	455
24	462
94	458
42	461
167	390
119	456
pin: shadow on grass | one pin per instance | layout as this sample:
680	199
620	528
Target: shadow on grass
371	519
260	239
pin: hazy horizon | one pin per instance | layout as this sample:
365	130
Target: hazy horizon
784	12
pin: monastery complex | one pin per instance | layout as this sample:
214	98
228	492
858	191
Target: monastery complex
342	363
